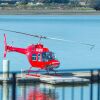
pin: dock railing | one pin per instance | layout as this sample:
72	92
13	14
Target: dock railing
93	75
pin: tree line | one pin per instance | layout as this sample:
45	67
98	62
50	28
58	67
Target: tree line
95	4
89	3
72	3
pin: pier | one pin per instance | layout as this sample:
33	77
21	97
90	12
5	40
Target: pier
71	78
53	79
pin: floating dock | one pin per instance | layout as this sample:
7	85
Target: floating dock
67	78
51	79
59	80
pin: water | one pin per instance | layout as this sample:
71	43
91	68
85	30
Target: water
48	92
71	55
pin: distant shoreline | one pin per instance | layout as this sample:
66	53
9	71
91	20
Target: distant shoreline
48	12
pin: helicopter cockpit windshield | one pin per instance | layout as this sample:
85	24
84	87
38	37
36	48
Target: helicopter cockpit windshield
47	56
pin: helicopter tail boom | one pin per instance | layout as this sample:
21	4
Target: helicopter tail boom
14	49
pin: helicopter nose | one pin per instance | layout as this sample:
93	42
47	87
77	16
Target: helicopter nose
55	64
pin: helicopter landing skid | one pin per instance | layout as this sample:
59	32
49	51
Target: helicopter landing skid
34	75
36	72
33	71
52	70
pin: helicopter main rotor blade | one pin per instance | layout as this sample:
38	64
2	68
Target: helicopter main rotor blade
71	41
44	37
33	35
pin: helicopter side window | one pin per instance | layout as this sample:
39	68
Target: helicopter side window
34	57
39	57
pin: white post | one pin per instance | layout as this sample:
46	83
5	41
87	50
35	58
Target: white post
5	69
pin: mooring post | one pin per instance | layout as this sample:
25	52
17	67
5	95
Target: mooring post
91	85
5	77
98	79
13	86
5	69
73	91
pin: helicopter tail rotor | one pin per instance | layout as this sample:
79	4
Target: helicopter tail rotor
5	46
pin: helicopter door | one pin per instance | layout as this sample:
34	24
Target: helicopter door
39	57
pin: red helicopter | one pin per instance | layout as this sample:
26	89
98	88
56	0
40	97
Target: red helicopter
38	55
